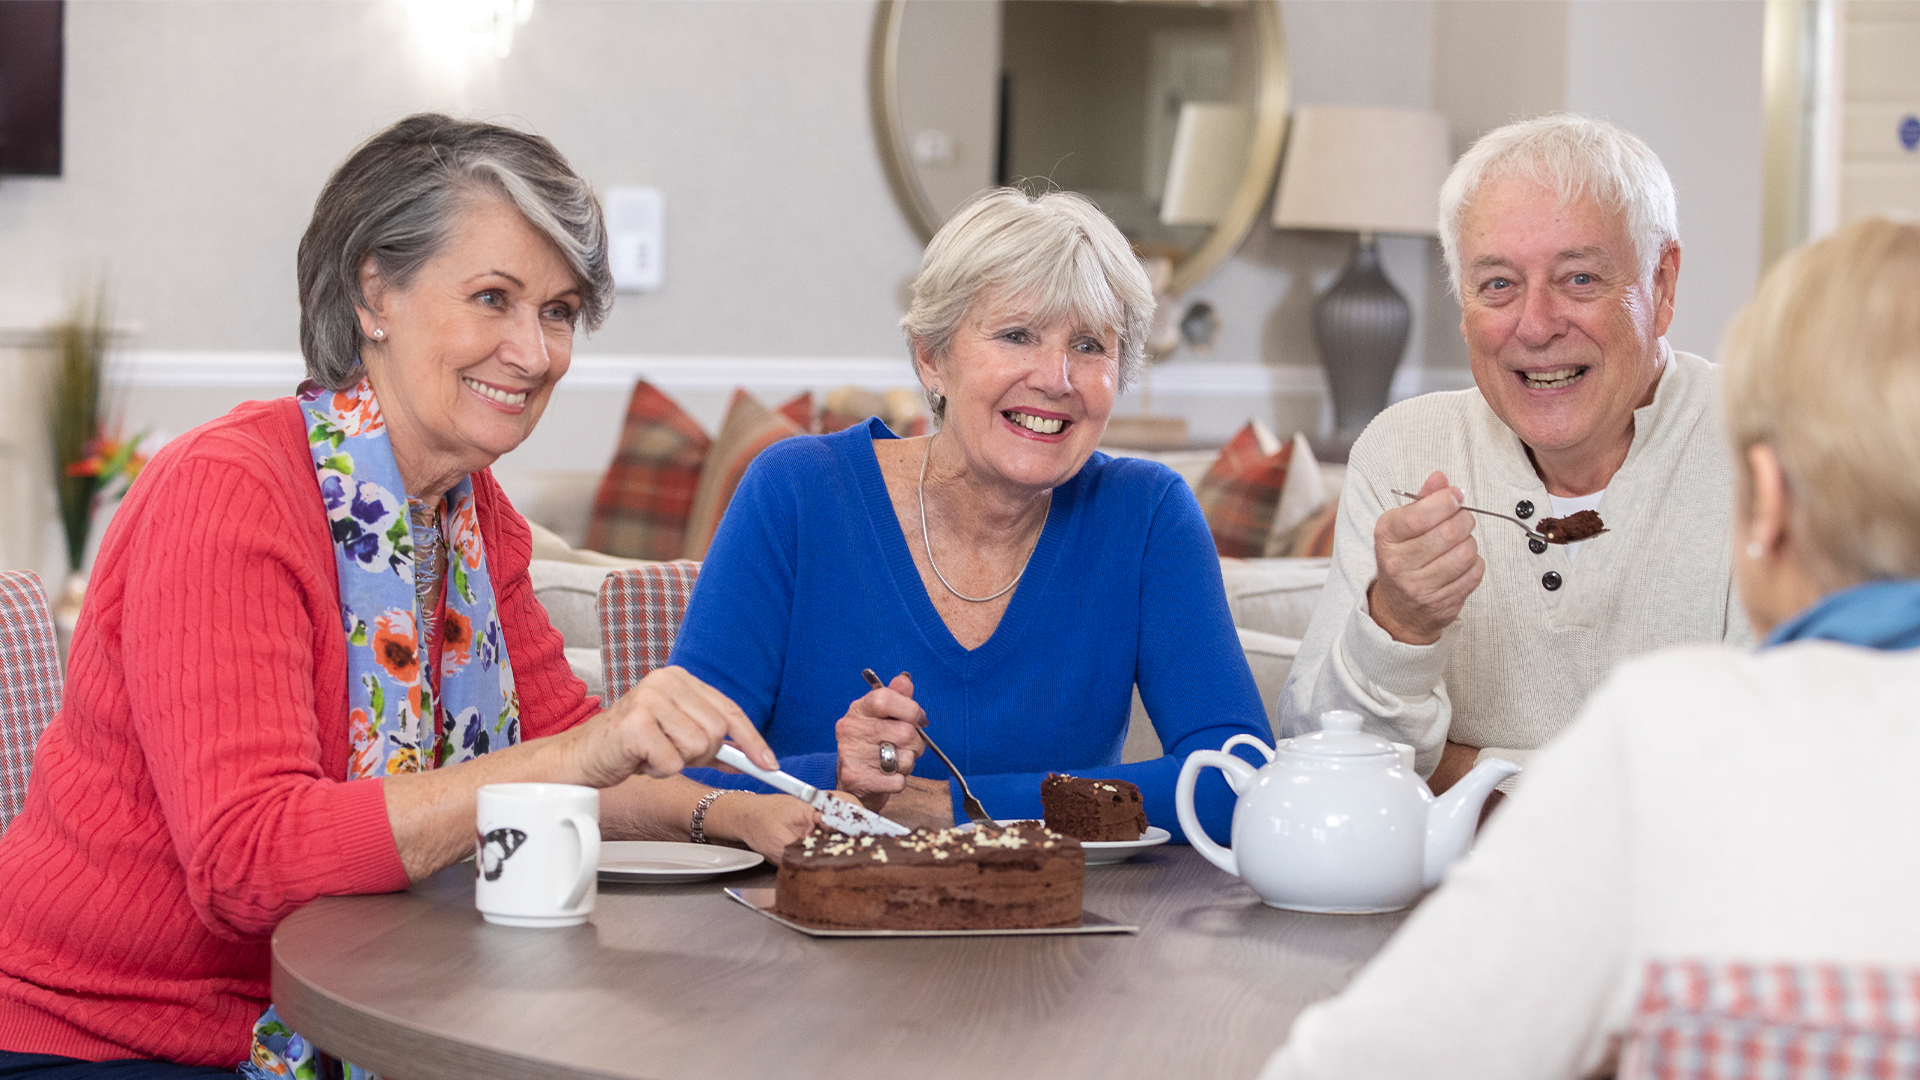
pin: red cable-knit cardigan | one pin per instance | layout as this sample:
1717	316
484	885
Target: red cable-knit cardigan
190	793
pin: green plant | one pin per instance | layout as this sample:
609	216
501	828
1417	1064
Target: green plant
86	460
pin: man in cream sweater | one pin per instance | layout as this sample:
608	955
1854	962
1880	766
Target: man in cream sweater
1458	634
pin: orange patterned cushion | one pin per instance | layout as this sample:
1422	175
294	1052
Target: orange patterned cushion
750	427
641	509
1241	491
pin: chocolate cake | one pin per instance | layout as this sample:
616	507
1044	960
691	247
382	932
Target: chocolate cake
1571	529
1007	878
1092	810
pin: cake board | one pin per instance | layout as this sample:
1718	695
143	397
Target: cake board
761	900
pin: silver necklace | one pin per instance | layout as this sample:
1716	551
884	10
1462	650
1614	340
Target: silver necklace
927	542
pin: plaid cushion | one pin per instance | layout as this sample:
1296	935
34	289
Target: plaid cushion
830	421
1313	539
903	410
1240	493
640	612
799	411
1729	1021
641	509
750	427
29	682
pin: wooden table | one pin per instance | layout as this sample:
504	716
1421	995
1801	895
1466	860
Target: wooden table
679	981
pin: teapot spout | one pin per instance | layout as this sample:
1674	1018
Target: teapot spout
1451	819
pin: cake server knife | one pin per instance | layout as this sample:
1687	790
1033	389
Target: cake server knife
850	818
975	812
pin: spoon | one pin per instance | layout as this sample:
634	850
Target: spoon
975	812
1528	529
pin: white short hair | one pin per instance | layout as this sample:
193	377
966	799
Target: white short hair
1576	157
1057	249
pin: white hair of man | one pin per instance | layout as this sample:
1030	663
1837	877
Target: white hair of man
1577	158
1056	251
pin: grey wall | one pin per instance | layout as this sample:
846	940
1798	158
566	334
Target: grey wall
1686	78
198	134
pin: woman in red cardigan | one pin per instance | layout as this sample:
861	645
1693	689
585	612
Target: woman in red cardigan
311	636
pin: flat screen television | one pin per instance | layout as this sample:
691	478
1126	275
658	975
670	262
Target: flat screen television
31	56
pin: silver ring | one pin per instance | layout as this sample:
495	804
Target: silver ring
889	759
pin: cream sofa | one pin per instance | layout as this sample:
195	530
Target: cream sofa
1271	601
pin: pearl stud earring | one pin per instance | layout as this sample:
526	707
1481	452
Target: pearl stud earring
379	334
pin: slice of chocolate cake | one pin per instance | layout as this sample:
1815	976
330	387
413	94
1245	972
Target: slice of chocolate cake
1012	877
1571	529
1092	810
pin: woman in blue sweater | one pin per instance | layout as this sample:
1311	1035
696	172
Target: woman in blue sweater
1014	582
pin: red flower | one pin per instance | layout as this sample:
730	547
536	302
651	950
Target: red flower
463	534
396	645
456	642
355	411
109	458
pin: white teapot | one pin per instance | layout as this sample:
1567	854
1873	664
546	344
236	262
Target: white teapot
1337	821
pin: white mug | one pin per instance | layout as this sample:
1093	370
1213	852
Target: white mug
538	858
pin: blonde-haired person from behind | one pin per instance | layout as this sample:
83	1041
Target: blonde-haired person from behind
1711	807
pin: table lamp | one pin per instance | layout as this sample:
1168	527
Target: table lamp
1364	170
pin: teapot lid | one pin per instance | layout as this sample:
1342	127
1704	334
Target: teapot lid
1340	736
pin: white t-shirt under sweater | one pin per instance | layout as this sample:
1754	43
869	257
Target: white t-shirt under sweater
1540	632
1710	804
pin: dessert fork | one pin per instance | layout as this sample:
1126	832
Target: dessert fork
975	812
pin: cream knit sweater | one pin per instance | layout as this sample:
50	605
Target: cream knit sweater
1515	668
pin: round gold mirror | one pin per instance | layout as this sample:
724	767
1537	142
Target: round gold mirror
1166	113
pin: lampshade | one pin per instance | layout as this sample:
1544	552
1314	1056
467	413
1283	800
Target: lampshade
1209	158
1357	169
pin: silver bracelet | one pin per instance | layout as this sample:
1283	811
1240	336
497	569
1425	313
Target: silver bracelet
698	830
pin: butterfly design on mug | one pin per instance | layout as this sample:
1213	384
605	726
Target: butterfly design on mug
495	849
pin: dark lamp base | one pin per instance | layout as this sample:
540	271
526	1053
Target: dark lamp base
1361	326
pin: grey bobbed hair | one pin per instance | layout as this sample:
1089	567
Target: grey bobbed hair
394	201
1057	251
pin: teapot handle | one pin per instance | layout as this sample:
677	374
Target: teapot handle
1238	774
1243	739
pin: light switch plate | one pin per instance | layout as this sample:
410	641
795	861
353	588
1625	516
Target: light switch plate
635	216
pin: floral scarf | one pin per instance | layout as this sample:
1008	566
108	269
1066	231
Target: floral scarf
399	719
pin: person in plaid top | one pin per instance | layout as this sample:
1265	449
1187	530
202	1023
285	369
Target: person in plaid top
1713	871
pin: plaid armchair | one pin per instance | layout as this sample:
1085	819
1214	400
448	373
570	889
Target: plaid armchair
29	682
640	612
1700	1020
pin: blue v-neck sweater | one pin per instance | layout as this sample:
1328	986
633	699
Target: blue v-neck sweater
809	580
